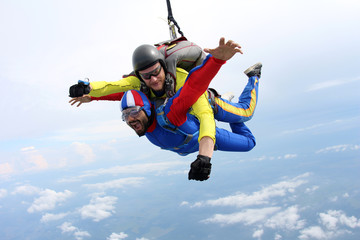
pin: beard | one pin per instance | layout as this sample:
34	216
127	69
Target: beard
140	127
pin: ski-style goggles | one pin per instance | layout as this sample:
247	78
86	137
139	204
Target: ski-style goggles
131	112
155	73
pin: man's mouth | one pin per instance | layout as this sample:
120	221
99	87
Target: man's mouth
136	125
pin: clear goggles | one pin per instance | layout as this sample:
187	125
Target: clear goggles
131	112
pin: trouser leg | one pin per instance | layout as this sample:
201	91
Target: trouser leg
244	109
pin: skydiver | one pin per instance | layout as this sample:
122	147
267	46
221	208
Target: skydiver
171	127
160	74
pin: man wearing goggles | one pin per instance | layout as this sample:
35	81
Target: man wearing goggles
136	119
171	127
159	73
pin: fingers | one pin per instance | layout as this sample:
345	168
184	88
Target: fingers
73	101
221	41
233	45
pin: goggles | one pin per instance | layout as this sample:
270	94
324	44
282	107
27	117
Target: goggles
132	112
155	72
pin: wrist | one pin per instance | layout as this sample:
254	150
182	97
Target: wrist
203	157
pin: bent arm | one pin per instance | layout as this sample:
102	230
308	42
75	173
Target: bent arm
196	84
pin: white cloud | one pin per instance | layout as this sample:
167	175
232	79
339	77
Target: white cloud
184	203
3	192
48	200
79	235
260	197
286	156
248	216
312	127
67	227
106	130
312	189
99	208
314	232
339	148
289	156
26	190
333	218
117	236
277	236
35	159
85	151
332	83
334	199
288	219
26	149
48	217
6	169
258	233
333	222
129	169
118	183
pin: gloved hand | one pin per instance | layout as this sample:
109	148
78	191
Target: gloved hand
79	89
200	168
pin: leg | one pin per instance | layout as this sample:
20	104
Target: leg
243	110
240	140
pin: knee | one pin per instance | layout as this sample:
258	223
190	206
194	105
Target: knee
252	143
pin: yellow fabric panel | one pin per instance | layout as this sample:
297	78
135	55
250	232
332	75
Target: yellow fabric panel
103	88
240	111
203	111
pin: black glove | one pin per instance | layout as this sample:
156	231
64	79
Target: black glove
200	168
78	90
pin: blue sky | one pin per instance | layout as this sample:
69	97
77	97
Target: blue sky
81	173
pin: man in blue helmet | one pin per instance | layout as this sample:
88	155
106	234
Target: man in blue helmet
159	72
169	125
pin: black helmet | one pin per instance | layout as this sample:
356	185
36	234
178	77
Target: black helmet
145	56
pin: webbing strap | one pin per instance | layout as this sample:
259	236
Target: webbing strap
171	19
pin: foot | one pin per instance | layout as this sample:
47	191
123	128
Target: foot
228	96
254	70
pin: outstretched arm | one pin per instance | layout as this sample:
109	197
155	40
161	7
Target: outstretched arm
199	79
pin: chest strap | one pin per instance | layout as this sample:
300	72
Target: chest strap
163	121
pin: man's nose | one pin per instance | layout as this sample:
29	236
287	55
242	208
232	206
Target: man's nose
153	78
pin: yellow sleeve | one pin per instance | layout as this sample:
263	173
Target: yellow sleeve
201	109
204	113
103	88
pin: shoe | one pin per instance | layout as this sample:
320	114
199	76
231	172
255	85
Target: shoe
254	70
228	96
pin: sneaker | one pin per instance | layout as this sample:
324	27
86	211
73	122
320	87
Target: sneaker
254	70
228	96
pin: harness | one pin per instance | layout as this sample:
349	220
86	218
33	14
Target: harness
163	121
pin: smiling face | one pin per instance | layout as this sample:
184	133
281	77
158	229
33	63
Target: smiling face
154	77
138	122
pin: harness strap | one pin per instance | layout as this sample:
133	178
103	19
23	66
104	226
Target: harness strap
163	121
212	93
172	19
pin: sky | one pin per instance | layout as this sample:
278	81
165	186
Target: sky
81	173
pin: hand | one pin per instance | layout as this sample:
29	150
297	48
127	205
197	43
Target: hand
225	51
78	90
80	100
200	168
